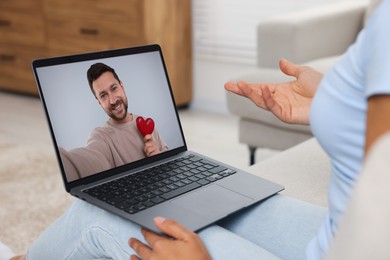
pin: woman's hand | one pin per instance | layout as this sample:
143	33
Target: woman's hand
289	101
184	244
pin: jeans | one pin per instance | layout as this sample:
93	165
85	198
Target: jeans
277	228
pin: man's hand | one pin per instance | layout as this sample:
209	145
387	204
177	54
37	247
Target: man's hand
151	147
289	101
184	244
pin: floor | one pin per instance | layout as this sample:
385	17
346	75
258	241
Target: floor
210	133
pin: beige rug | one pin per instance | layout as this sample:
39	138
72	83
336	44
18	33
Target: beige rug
31	193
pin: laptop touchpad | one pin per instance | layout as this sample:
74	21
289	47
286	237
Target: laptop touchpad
213	201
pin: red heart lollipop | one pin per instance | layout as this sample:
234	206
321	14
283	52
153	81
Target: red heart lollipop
145	127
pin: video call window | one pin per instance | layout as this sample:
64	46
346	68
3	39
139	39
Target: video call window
89	131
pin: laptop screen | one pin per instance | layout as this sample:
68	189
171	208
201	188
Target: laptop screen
109	110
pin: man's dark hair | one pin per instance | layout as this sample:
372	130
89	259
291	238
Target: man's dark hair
96	70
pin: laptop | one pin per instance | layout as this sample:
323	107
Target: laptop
175	183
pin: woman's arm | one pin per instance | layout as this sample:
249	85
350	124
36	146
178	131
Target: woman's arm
378	119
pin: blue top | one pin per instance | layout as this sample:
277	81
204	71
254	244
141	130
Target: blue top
338	115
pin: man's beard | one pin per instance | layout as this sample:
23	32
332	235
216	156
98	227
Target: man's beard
121	116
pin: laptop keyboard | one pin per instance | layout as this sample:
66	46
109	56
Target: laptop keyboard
147	188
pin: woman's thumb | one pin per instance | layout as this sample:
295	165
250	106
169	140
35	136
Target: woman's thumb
288	68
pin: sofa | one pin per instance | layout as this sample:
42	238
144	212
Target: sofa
315	37
302	169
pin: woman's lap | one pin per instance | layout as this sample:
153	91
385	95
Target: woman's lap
223	244
87	232
282	225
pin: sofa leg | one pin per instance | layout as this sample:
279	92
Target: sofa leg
252	155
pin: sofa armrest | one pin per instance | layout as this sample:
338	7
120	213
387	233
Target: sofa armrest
309	34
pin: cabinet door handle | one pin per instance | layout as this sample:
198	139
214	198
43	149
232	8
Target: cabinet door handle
7	58
5	23
89	31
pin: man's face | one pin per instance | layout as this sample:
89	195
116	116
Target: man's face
111	96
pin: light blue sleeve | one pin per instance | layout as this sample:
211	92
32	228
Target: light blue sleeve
378	51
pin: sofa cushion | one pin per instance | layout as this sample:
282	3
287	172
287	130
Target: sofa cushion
271	136
324	64
304	170
309	34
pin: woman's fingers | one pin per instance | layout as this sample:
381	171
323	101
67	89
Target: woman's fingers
140	248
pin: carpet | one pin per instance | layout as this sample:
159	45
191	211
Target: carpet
31	193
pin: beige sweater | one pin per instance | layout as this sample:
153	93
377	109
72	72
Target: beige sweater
107	147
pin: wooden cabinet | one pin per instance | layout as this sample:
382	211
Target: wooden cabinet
22	39
38	28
